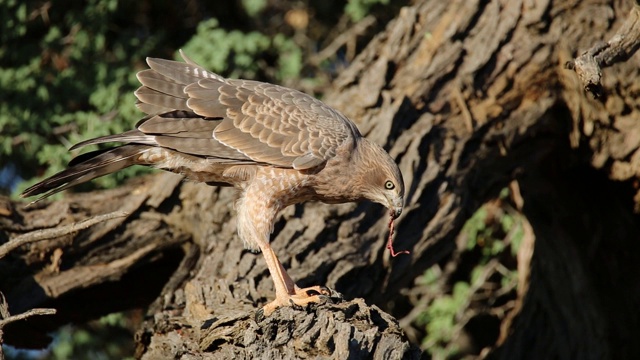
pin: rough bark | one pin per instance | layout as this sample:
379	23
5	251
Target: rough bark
469	97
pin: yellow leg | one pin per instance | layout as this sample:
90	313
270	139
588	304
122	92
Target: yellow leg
287	292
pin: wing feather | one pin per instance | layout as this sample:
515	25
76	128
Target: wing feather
164	125
151	109
161	83
238	119
156	98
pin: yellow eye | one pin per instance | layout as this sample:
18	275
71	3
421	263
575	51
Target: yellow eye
389	185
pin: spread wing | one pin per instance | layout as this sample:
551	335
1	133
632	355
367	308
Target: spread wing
198	112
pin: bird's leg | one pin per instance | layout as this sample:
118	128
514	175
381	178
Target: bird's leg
287	292
257	209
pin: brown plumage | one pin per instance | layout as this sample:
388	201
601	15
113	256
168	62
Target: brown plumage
276	145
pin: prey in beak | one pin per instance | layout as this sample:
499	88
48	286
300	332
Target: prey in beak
394	213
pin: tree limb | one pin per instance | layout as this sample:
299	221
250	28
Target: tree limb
619	48
51	233
7	318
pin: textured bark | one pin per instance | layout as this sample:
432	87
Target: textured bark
468	96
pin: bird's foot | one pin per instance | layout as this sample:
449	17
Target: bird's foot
300	297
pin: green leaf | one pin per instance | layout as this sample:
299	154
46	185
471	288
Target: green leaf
254	7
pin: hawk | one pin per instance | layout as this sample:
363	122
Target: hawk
276	145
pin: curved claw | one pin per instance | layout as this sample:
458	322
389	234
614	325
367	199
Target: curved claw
301	297
314	291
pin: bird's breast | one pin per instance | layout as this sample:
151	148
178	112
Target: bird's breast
283	186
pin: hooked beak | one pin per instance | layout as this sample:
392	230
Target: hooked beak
396	209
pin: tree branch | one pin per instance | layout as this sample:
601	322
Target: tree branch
349	35
45	234
25	315
619	48
6	318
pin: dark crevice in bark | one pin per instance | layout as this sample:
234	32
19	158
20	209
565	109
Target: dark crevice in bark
584	225
137	289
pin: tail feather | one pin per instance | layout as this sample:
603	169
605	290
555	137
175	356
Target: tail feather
131	136
169	119
87	167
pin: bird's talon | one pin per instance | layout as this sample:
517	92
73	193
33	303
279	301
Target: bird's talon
312	292
259	315
336	296
295	305
325	291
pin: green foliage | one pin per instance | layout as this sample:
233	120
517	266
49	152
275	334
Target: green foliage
440	317
15	13
358	9
63	68
106	338
110	337
488	237
493	234
254	7
235	52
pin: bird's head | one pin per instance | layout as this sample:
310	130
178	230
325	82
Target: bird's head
380	178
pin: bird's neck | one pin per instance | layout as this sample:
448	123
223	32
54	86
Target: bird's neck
338	181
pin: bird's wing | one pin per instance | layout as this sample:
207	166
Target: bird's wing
255	121
271	123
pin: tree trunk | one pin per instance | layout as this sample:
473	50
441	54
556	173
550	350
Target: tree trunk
469	97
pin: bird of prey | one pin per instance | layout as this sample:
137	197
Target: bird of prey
276	145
